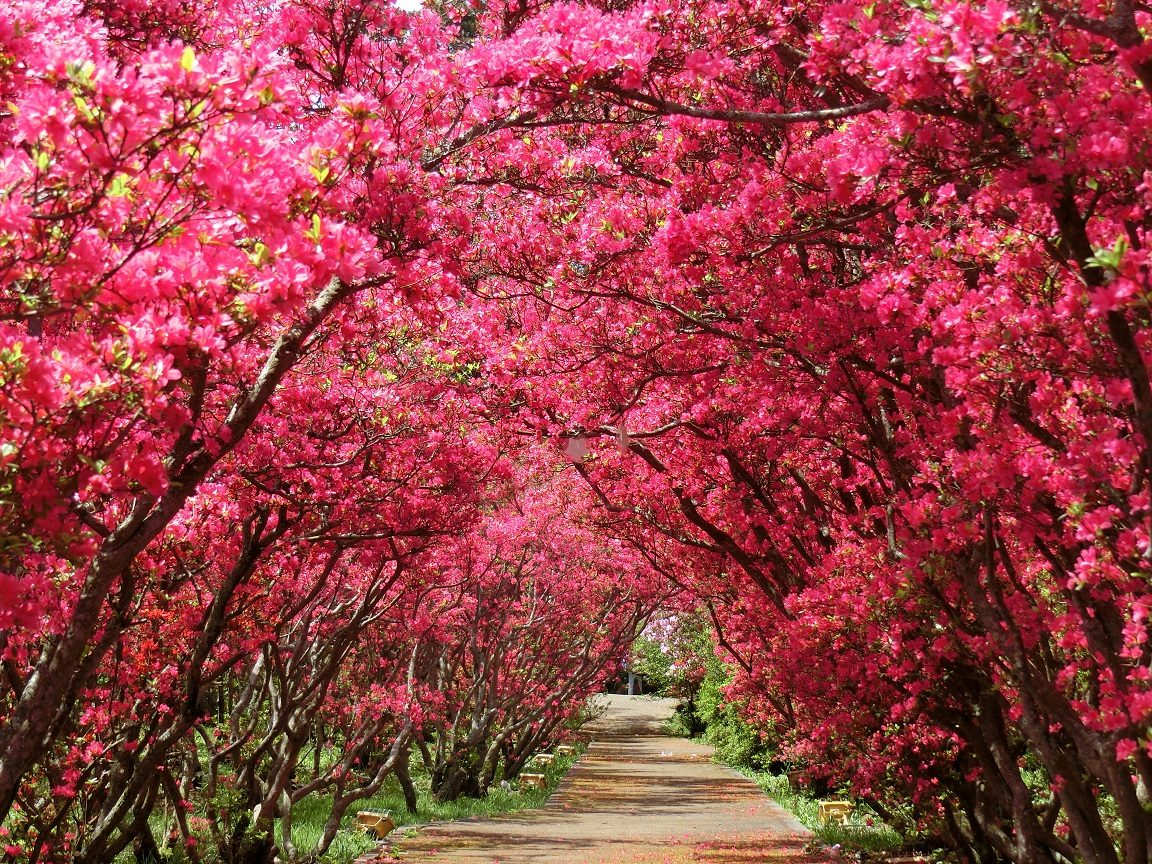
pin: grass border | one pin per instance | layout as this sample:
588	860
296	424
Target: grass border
350	844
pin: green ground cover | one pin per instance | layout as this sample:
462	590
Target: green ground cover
309	815
865	831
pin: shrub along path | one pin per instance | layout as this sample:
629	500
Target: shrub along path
635	796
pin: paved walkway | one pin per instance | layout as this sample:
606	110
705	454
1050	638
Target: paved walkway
635	797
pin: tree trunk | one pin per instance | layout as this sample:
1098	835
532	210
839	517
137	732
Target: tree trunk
405	777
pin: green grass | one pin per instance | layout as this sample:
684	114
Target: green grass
676	727
865	832
308	819
309	815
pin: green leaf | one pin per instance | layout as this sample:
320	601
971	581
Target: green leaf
80	72
317	230
259	254
119	187
84	108
1110	259
188	59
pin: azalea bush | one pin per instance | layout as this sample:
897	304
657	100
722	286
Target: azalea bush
844	312
833	319
535	614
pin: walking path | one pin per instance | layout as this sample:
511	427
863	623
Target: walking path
635	797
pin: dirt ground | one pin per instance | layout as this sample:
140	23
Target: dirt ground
635	797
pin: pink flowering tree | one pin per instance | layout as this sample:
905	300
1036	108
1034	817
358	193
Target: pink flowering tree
849	302
537	610
839	313
186	215
242	653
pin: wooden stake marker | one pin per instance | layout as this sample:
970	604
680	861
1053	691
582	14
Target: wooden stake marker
374	823
532	781
835	812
